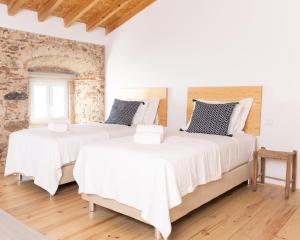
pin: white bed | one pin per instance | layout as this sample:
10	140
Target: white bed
154	178
158	184
48	157
42	154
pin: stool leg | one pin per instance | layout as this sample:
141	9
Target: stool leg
254	173
263	170
294	171
288	178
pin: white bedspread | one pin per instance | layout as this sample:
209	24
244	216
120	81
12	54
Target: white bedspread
40	153
154	178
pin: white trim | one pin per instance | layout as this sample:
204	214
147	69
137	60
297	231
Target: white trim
49	81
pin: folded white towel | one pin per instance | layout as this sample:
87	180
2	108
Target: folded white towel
148	138
150	129
59	125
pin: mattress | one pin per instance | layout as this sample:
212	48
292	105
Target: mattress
246	143
40	153
154	178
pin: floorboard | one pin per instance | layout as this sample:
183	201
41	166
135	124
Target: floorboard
238	215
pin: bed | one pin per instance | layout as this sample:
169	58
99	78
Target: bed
48	157
158	184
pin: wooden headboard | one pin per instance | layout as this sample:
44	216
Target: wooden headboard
147	94
230	94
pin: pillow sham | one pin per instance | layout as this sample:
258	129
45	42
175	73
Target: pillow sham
151	112
123	112
211	118
140	114
146	113
246	105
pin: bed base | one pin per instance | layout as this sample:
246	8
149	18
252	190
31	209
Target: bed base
190	202
67	175
20	177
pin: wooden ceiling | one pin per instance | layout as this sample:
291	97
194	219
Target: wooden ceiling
108	14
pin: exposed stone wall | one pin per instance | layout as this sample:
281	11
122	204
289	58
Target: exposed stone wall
88	94
21	52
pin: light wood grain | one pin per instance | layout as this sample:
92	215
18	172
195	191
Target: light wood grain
78	12
14	6
294	173
266	153
238	215
47	9
291	167
254	171
127	14
108	14
253	122
102	19
290	231
288	177
148	94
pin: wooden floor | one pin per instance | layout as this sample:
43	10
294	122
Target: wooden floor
238	215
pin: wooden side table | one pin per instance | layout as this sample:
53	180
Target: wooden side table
291	167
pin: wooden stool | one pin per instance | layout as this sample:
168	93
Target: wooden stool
291	167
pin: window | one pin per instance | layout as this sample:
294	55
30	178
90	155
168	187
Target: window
48	97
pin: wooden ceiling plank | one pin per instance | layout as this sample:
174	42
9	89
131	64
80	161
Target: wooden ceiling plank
47	9
109	14
93	24
79	12
125	17
14	6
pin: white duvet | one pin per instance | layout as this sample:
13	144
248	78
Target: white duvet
154	178
41	153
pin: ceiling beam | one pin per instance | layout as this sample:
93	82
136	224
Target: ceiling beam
112	25
79	11
47	9
14	6
91	25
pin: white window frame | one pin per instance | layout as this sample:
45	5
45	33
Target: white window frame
48	80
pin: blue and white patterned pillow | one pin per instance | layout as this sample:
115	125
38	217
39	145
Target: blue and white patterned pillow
211	118
123	112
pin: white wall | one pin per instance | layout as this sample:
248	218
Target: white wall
27	21
182	43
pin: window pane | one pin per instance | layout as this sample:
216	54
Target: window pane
59	102
39	102
49	99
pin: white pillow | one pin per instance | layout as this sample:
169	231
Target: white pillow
139	115
151	111
246	105
234	119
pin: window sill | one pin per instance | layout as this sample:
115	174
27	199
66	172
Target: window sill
37	125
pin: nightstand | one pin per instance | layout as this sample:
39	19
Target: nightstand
291	167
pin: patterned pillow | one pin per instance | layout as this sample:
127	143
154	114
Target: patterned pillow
211	118
123	112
